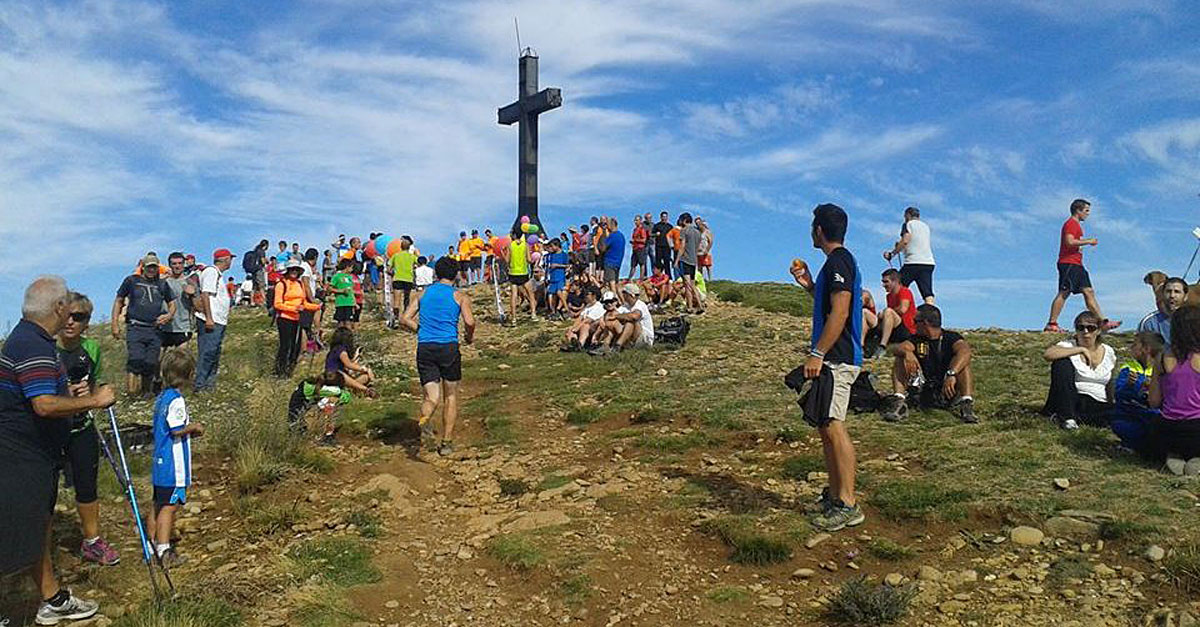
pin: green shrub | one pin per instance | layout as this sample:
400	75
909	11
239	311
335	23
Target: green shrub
888	550
1183	565
584	415
515	551
513	487
750	546
201	611
860	602
915	498
340	560
799	466
366	521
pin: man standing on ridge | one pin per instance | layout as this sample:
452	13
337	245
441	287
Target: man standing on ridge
834	361
148	303
212	314
1072	276
918	263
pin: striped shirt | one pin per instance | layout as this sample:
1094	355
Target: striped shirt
29	367
172	452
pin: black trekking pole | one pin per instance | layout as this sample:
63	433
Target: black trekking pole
149	552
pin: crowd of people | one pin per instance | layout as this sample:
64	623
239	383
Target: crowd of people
50	371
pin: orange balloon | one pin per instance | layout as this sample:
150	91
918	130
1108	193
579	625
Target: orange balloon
393	247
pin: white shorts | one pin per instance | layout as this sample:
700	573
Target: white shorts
843	378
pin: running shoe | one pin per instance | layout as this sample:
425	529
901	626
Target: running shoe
99	552
328	440
965	409
74	608
170	558
825	501
893	409
1070	425
838	517
445	449
426	424
1052	327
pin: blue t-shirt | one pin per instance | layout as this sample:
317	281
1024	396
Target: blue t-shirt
1157	322
172	452
839	274
614	252
29	368
558	275
438	315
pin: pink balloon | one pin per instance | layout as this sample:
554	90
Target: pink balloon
502	243
369	252
524	219
536	257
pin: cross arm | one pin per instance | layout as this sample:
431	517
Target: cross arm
545	100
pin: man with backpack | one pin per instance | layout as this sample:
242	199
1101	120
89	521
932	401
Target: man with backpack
254	264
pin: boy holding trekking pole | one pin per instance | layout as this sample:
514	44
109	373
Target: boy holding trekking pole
171	473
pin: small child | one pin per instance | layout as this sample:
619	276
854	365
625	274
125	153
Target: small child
323	392
1133	417
172	471
342	360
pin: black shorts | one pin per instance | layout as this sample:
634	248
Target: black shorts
171	338
687	270
83	453
611	273
899	334
357	313
167	495
464	266
639	257
477	263
1073	278
28	492
404	286
518	279
343	314
438	362
922	273
143	345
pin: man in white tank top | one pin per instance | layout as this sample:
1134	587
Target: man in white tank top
917	250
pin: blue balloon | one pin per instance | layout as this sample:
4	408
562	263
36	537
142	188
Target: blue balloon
381	244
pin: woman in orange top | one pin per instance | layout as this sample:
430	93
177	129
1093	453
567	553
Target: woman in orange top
291	298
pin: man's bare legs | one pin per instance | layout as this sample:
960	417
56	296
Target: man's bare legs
1056	306
839	460
449	409
1089	300
889	320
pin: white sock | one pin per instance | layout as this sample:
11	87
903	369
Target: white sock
161	548
899	395
968	398
90	541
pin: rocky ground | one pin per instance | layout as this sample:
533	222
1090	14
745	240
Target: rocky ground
661	489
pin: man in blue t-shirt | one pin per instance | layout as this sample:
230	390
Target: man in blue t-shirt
836	346
614	254
556	281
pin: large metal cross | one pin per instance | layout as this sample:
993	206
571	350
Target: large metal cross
524	112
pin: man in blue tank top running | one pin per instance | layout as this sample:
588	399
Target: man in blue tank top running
434	318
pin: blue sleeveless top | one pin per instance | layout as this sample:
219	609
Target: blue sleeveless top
438	315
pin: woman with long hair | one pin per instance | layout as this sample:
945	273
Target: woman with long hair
1080	368
1175	389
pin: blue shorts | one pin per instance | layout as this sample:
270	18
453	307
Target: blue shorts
556	287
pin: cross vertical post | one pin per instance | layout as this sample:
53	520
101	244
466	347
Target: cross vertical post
524	113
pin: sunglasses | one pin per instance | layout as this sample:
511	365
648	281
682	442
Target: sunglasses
1087	328
79	316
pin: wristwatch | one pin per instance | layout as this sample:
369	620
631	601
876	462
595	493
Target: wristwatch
951	373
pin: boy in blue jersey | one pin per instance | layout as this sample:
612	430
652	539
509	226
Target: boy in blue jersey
834	360
556	285
171	473
1133	418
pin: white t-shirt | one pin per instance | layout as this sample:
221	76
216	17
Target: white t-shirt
423	276
595	311
1089	380
647	335
919	249
218	297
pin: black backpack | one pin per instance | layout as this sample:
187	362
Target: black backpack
673	331
863	397
252	262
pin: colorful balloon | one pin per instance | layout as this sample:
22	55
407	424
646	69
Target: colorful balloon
524	219
381	244
532	239
501	244
393	247
369	252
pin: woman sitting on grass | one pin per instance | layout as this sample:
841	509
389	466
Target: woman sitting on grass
1175	388
1079	373
342	363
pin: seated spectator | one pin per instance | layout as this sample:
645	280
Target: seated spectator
604	330
585	325
575	300
933	365
1175	390
631	326
870	322
1170	296
658	288
1079	373
900	313
342	362
1132	416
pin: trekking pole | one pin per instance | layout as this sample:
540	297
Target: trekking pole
496	290
149	553
1195	232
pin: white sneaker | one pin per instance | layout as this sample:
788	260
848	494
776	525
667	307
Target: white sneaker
1192	467
1176	465
74	608
1070	425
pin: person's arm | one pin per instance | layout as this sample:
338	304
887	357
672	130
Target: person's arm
169	297
468	317
118	306
194	429
839	314
1154	397
55	406
958	363
1075	241
350	365
905	305
409	319
800	273
901	244
1056	352
203	306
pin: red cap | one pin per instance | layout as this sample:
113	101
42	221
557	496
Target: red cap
222	252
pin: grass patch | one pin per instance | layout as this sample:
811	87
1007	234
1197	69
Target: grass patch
860	602
1066	568
185	612
799	466
791	433
915	498
648	415
367	522
889	550
513	487
499	431
677	443
340	560
1183	565
1088	441
586	415
727	594
1125	530
775	297
255	468
621	434
515	551
307	457
269	518
750	546
577	588
320	607
552	481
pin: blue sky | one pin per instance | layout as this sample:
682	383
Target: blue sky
127	126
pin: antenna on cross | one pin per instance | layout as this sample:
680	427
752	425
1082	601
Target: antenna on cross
518	29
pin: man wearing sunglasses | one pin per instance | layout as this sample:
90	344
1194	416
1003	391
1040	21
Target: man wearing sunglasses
934	365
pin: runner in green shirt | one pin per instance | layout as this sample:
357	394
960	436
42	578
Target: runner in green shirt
403	263
342	287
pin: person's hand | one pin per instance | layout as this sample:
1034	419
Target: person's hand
197	430
208	326
1095	242
911	365
469	337
162	320
104	397
79	389
116	331
799	271
812	367
949	386
887	255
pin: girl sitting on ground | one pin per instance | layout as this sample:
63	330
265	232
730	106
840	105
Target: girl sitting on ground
1132	418
1079	373
1175	389
342	360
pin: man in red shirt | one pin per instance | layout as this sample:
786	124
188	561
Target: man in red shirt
1072	276
638	240
898	321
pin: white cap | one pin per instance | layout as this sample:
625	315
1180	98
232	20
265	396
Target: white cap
608	296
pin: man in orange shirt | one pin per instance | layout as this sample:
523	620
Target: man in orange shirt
676	249
464	259
476	257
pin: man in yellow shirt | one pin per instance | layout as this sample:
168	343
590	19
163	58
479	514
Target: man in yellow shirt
464	259
477	247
